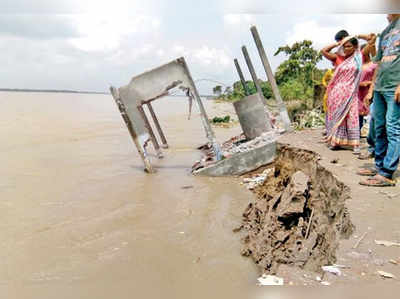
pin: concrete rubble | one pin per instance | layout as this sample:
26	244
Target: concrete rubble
229	149
257	180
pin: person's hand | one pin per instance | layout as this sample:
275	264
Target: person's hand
397	95
365	83
368	99
372	37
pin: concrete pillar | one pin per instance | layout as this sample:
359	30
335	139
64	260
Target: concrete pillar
252	70
239	70
252	116
268	70
122	109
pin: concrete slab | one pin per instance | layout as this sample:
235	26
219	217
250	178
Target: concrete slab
151	85
241	163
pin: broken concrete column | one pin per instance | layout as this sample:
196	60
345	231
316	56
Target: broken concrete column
242	80
268	70
252	71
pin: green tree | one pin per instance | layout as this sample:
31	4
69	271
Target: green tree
238	89
297	75
301	63
267	90
217	90
294	90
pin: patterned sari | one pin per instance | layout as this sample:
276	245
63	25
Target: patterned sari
342	121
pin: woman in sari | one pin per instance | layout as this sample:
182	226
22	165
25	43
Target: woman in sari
367	74
343	122
325	82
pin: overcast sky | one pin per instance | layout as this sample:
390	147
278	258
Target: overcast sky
88	45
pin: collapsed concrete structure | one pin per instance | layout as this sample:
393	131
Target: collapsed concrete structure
148	87
251	110
255	121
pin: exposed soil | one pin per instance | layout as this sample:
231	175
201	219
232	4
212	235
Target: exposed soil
298	215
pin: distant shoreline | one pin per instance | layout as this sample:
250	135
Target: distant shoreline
211	97
50	90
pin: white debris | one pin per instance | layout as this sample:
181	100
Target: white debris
386	243
270	280
386	274
341	266
394	262
265	138
332	269
257	180
325	283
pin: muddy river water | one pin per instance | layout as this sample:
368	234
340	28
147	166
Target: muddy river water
80	218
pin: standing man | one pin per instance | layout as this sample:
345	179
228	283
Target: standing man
386	96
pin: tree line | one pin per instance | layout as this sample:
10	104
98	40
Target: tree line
296	77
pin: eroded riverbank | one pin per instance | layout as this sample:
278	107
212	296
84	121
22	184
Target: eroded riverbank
299	214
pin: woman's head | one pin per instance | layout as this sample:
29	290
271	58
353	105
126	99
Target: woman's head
350	46
366	57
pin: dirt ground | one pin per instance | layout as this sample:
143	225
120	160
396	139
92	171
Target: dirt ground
373	212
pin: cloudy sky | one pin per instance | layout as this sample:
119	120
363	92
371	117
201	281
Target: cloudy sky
90	45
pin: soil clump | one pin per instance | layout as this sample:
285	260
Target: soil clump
298	215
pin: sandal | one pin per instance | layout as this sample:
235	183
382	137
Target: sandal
356	151
323	140
367	172
335	147
377	182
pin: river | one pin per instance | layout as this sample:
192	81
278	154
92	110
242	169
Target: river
80	218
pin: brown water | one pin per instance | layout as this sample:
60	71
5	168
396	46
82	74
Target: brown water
80	218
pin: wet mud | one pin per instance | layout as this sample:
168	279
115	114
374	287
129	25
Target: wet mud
298	215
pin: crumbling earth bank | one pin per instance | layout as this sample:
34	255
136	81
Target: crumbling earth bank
298	215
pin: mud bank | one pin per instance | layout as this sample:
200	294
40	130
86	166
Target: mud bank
298	215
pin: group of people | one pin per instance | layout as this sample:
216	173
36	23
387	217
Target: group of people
365	80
